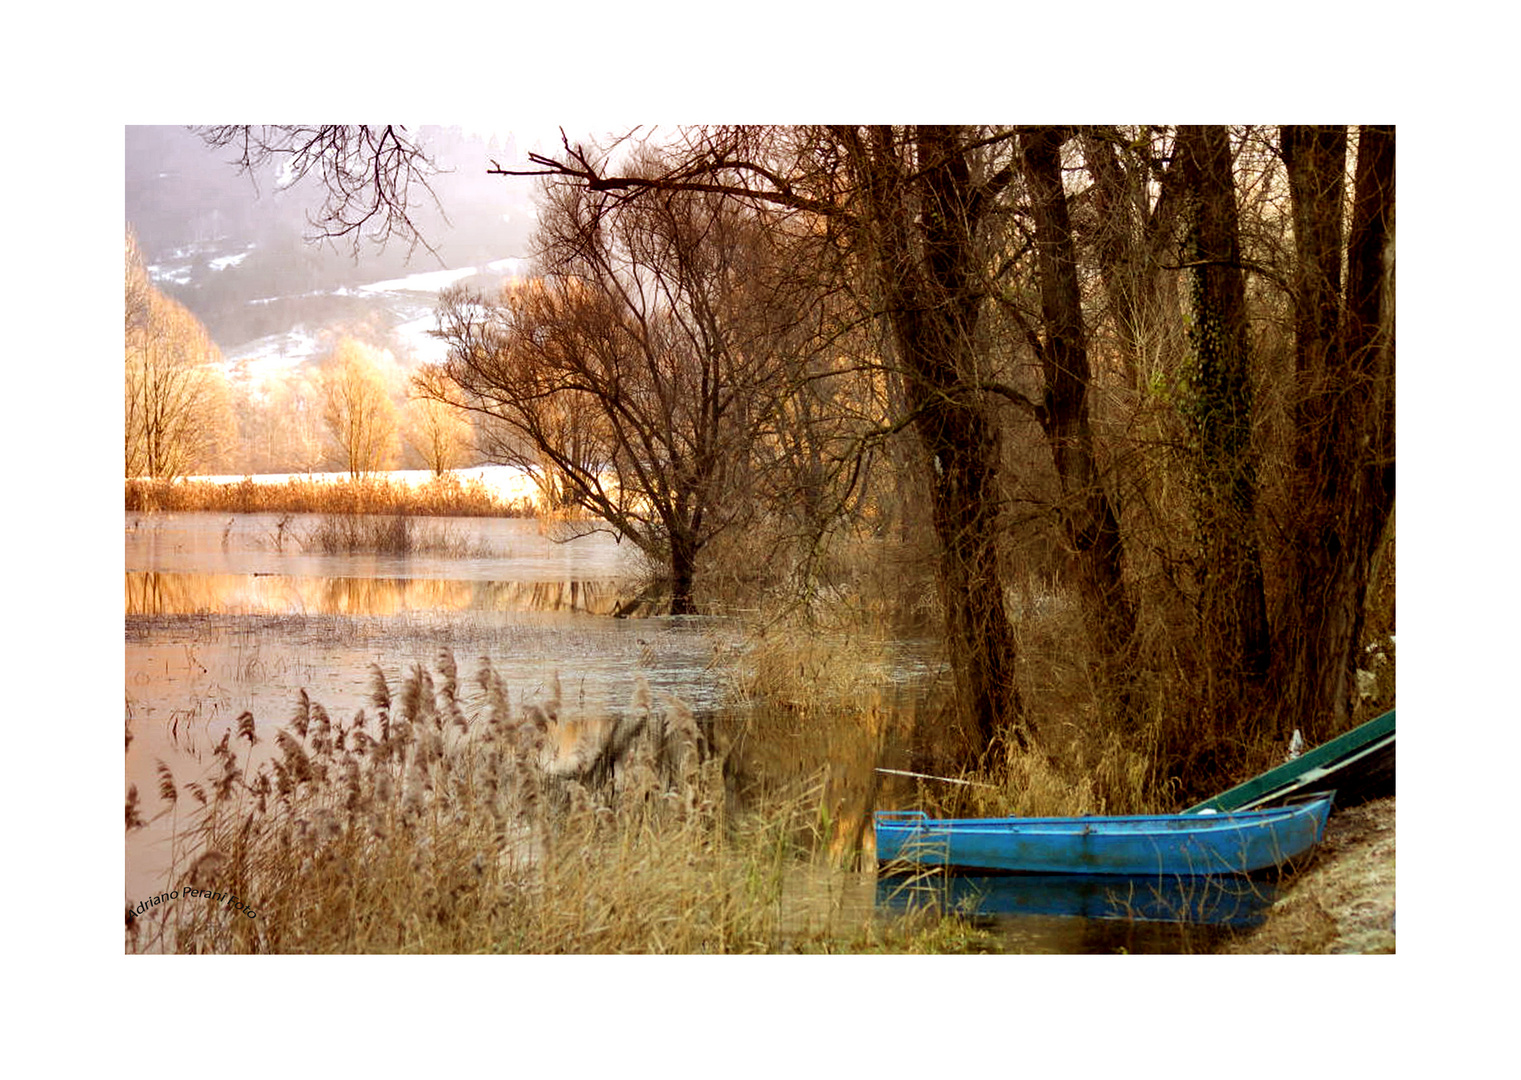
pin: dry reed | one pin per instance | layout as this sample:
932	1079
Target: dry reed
449	820
446	496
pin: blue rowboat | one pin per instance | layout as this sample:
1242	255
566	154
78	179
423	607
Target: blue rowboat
1186	845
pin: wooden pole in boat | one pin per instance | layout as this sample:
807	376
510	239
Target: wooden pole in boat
942	779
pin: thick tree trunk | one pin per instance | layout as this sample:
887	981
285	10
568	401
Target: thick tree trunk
1232	605
1088	516
932	300
683	575
962	445
1343	487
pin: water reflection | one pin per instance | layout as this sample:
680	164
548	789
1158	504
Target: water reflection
156	592
1238	902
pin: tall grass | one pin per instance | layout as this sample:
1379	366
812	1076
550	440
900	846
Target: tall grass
446	496
819	683
445	817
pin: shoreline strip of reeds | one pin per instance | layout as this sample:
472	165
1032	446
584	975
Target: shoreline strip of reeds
445	496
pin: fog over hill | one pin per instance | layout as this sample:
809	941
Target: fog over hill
234	250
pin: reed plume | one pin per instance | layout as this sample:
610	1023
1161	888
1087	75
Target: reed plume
166	789
295	758
380	692
302	716
411	706
321	732
134	818
448	670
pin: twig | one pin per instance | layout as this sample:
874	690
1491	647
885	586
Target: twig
942	779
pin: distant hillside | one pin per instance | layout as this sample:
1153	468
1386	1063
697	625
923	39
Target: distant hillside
232	248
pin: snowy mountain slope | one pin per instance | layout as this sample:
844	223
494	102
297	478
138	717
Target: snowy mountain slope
233	250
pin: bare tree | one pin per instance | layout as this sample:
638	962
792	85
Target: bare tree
1088	517
358	409
178	417
632	378
439	432
1218	409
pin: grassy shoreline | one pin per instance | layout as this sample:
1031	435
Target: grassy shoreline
452	817
1345	901
445	496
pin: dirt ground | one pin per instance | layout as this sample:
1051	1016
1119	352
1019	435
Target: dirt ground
1344	903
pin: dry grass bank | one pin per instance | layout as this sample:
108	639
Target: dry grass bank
1344	903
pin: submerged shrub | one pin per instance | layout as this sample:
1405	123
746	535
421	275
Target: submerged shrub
390	534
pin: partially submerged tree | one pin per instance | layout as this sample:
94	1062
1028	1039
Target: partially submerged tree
634	377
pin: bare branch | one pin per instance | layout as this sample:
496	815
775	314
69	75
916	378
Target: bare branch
367	175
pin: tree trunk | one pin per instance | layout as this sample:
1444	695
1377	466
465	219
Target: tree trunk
1232	605
1114	245
1344	459
1088	516
683	575
932	300
963	448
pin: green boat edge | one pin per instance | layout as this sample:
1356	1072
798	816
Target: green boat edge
1302	774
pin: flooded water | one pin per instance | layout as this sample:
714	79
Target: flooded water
226	614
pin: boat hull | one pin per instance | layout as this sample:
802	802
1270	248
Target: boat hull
1358	765
1185	845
